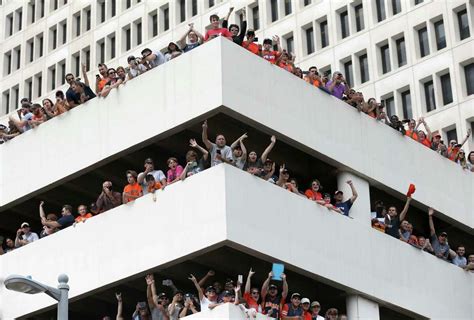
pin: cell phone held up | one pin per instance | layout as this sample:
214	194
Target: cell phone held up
218	151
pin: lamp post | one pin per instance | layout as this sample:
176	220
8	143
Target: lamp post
27	285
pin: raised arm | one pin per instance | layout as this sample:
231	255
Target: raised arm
404	212
225	23
280	176
41	210
209	274
84	74
182	41
198	287
430	221
428	131
150	282
467	137
119	316
205	140
268	149
248	283
236	142
354	191
265	284
276	39
284	292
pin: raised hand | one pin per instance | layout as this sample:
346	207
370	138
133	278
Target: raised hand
150	279
430	212
349	182
118	296
282	168
192	278
204	125
193	143
211	273
273	139
251	272
283	276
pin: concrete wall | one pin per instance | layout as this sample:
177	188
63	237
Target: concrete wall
305	236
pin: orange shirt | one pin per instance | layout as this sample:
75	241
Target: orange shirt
134	190
314	82
286	66
152	189
411	134
310	194
453	152
102	83
426	143
270	55
251	301
251	46
83	218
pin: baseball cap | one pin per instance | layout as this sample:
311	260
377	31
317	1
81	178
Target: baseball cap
267	41
315	304
338	191
25	224
227	293
272	286
296	294
161	295
305	300
443	234
210	288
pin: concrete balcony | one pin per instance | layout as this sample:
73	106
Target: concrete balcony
220	77
224	206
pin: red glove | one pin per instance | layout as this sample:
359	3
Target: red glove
411	190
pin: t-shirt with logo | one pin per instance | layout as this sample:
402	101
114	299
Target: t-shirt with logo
217	32
134	190
289	311
190	46
251	46
344	206
274	303
270	55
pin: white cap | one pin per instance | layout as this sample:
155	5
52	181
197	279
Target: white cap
305	300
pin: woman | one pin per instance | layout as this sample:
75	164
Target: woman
175	170
173	51
285	61
49	230
331	314
52	110
82	91
254	162
61	102
461	159
470	161
193	165
423	139
313	193
298	72
371	108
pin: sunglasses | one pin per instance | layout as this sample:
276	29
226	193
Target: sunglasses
255	292
112	72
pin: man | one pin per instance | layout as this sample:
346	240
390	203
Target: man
152	59
251	294
65	221
251	44
271	301
268	171
435	142
392	220
268	53
234	29
470	263
346	205
176	305
220	152
306	311
132	190
195	39
108	199
24	235
460	259
454	148
101	79
439	243
157	302
135	67
206	299
283	177
337	86
293	309
83	214
78	92
150	169
9	245
239	152
25	115
216	30
315	308
152	185
312	77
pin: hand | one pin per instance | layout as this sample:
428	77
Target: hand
204	125
469	131
276	39
192	278
187	304
282	168
84	67
219	156
244	136
430	212
273	139
270	274
244	11
150	279
231	9
41	203
349	182
237	289
193	143
251	272
283	276
18	232
191	26
211	273
118	295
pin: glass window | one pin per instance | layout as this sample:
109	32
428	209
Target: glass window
288	8
385	55
77	19
396	7
310	40
306	2
380	4
446	89
440	35
182	10
389	106
194	8
463	23
274	9
359	17
406	104
418	2
166	16
364	68
429	96
424	44
255	18
128	39
290	45
349	73
323	26
401	52
154	21
113	8
344	24
88	19
452	134
138	32
469	77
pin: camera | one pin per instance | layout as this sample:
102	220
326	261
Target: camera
396	124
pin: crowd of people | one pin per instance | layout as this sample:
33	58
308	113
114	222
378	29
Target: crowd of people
268	299
31	115
199	158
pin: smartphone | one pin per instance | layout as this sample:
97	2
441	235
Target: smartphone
218	151
166	282
240	278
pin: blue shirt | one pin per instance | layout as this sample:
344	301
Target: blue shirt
66	221
344	206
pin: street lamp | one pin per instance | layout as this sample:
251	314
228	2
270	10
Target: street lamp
27	285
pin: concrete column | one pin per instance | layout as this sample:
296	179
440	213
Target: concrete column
359	308
361	207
